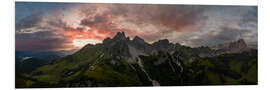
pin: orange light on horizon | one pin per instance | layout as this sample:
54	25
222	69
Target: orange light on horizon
83	42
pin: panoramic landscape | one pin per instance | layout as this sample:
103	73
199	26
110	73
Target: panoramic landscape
60	45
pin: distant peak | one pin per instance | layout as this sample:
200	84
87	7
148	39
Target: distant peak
238	42
241	41
233	47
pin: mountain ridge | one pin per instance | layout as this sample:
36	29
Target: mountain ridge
119	61
137	42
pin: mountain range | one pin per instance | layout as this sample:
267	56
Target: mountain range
120	61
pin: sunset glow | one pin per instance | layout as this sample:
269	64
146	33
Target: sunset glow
71	26
83	42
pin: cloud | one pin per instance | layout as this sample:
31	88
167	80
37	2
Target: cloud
223	24
41	41
219	36
40	32
226	34
190	25
251	15
151	22
173	17
29	21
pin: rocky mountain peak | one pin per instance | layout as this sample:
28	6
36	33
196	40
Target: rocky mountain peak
120	36
236	44
163	45
241	42
233	47
107	40
138	40
163	42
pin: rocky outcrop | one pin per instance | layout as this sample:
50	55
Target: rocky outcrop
165	45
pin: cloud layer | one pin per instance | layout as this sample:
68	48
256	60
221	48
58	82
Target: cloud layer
49	29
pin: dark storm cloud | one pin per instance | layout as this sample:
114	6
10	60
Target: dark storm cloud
226	34
251	15
59	23
250	22
223	24
96	20
101	22
29	21
171	16
152	22
39	33
40	41
177	18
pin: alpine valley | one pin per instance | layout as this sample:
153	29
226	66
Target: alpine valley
121	62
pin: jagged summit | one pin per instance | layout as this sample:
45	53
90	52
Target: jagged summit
162	42
235	44
241	42
138	44
120	36
138	40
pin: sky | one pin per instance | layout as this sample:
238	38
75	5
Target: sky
41	26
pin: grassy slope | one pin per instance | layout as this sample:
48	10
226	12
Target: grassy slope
86	68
